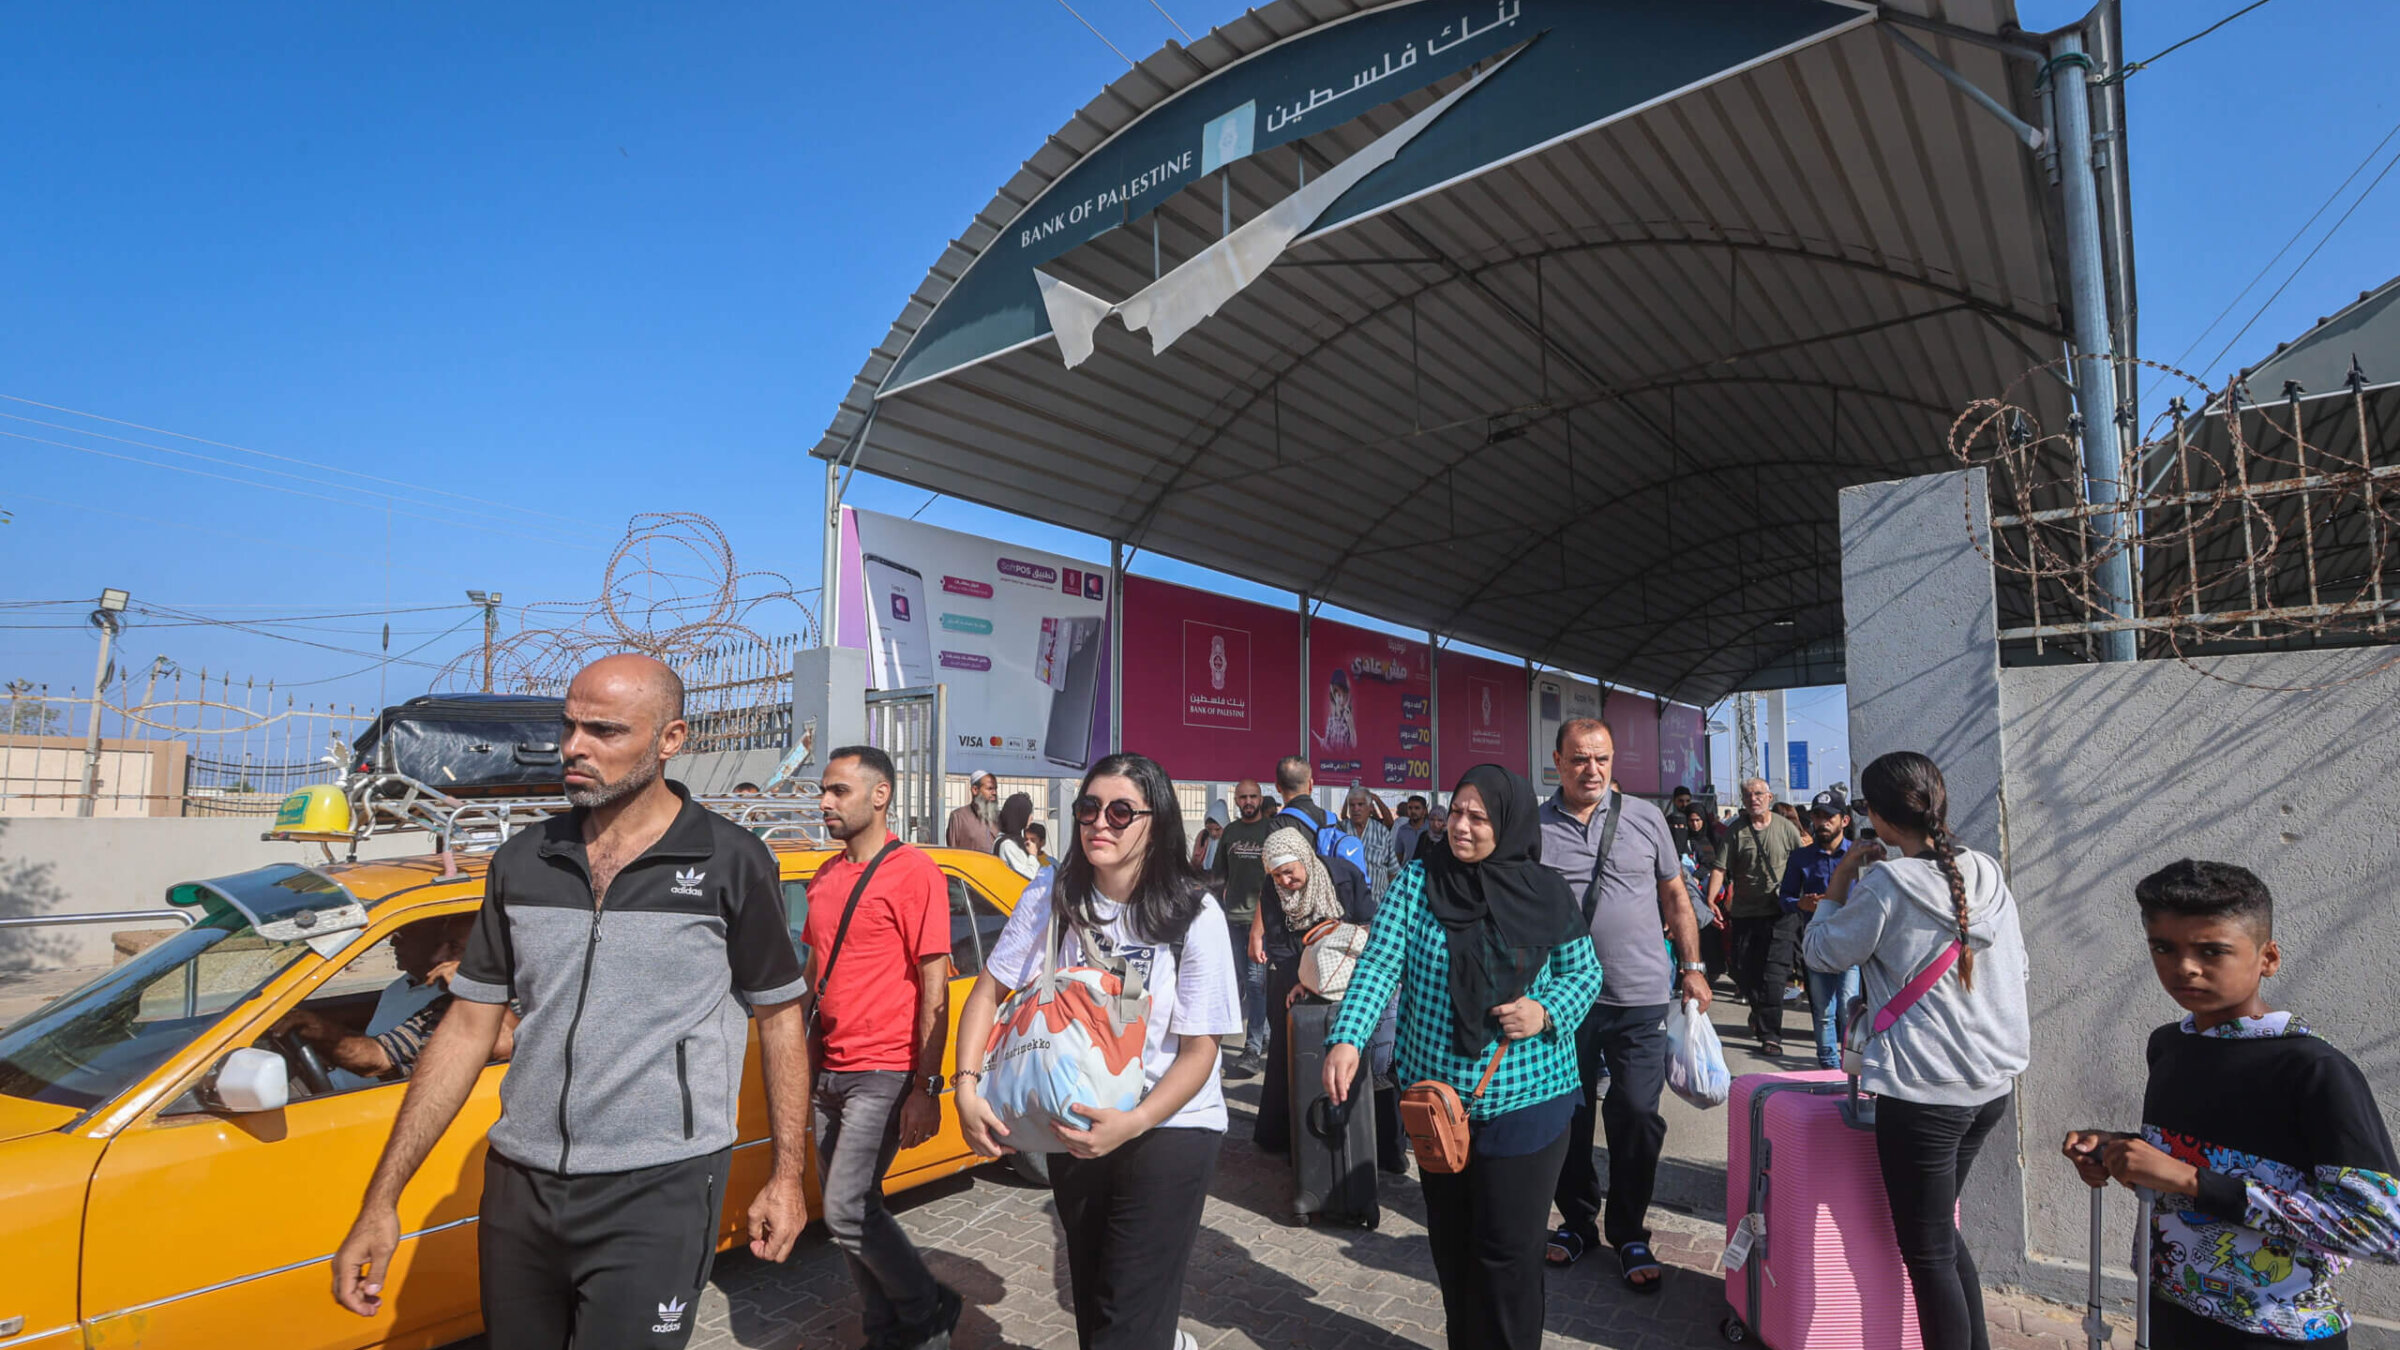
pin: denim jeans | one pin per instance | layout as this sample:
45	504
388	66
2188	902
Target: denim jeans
1253	979
1828	995
858	1132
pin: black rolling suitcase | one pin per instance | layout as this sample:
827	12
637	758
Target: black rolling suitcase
1333	1147
468	745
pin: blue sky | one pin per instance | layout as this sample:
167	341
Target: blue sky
591	260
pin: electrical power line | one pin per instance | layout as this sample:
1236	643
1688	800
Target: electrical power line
287	459
1062	4
2327	238
295	492
378	498
280	637
381	662
2121	75
2314	216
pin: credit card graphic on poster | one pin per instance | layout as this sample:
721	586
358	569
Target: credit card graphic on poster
1370	708
1018	636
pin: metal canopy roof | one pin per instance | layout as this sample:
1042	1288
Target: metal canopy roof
1591	405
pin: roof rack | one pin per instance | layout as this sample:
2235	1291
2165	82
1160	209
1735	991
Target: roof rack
383	803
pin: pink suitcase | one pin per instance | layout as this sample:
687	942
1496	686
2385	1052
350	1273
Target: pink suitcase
1822	1269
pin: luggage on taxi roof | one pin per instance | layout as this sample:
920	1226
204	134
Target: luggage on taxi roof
468	745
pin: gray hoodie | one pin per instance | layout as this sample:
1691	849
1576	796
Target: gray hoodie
1956	1047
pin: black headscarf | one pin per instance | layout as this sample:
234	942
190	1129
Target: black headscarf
1501	917
1014	812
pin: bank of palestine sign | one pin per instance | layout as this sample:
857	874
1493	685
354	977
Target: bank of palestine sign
1544	71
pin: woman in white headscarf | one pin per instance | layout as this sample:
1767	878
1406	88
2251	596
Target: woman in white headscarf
1305	890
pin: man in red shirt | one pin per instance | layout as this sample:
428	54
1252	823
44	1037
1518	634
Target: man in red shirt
878	934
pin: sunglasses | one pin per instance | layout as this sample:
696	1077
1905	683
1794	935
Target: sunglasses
1120	812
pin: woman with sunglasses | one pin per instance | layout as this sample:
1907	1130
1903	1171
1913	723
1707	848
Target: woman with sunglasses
1129	1189
1488	950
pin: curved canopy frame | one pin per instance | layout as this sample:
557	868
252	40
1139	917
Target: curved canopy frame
1589	400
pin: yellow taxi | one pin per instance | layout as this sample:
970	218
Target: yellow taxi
142	1204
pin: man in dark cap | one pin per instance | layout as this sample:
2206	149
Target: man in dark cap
1805	879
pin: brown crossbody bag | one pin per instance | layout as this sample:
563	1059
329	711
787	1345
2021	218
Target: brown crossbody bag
1436	1120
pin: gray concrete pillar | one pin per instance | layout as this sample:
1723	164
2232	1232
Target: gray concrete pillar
1923	650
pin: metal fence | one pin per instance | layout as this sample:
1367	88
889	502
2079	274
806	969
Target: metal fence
2247	526
172	742
913	727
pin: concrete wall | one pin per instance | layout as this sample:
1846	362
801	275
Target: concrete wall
70	866
2117	770
2084	779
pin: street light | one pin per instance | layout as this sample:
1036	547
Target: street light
112	604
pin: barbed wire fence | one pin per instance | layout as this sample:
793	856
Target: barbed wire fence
2248	527
673	589
179	742
173	742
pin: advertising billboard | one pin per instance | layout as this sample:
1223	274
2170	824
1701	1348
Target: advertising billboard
1682	747
1633	724
1557	698
1219	694
1019	636
1483	714
1370	709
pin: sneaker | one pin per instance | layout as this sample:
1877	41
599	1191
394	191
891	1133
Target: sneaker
1185	1340
1239	1066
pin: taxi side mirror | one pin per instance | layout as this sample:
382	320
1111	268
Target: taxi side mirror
245	1081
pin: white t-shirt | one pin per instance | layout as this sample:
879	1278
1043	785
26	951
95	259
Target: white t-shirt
1201	998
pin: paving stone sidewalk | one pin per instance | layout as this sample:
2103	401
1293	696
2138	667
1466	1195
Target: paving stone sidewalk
1256	1281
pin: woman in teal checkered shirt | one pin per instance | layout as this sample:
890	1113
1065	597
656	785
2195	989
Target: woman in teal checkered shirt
1488	949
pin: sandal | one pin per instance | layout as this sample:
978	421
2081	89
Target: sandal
1565	1249
1634	1258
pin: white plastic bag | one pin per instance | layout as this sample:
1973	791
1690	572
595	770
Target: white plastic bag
1695	1058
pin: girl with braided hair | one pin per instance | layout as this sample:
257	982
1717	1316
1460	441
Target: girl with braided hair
1918	911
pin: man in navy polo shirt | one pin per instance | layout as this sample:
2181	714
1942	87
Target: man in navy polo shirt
1805	878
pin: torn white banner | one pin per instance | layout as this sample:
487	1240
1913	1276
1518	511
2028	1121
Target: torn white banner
1176	303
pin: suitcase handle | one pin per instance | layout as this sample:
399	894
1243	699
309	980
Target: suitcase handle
538	752
2095	1326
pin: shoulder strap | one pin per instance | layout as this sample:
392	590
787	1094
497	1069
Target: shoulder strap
849	912
1491	1068
1608	841
1917	988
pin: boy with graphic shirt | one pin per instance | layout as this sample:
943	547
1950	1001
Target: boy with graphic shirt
2265	1145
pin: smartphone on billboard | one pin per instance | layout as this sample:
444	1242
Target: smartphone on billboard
903	648
1070	665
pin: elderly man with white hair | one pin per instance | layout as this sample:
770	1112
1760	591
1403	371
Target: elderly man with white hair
1366	816
1761	939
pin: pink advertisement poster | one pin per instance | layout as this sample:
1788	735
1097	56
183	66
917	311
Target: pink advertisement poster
1370	709
1216	681
1682	748
1483	714
1633	722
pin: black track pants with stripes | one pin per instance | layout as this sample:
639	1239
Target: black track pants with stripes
607	1261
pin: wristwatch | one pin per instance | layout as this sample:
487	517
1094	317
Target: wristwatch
1695	968
933	1084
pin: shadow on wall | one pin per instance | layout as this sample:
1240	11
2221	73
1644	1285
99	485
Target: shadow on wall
26	890
2115	771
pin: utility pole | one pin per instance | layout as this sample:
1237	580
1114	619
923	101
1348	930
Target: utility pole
491	629
112	604
2095	366
1745	740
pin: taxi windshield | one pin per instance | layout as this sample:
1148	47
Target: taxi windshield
90	1045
